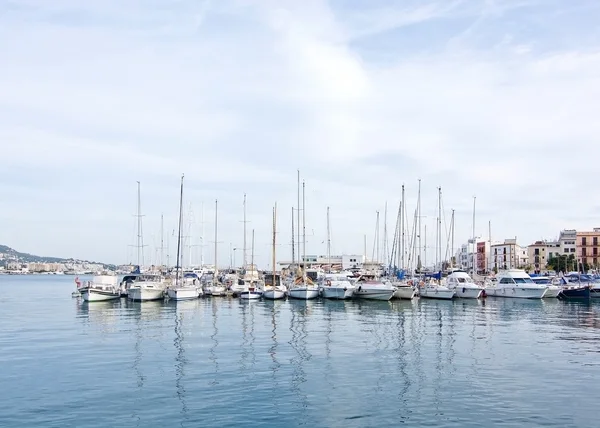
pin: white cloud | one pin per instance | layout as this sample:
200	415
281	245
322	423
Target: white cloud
238	95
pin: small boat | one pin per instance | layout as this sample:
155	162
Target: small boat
101	288
435	291
463	285
404	290
251	294
575	292
146	287
367	287
274	290
337	286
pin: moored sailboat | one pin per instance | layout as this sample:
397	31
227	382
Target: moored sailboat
274	290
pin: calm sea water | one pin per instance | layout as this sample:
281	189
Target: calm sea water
222	362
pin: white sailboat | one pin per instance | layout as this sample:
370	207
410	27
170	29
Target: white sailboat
515	283
148	286
335	285
303	287
101	288
253	292
404	288
433	289
275	290
216	288
181	290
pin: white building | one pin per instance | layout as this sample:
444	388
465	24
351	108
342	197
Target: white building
508	255
464	256
568	241
345	261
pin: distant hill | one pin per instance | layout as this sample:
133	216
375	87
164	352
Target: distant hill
11	254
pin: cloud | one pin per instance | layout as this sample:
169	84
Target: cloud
481	98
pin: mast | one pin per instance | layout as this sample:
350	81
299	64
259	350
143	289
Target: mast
452	242
298	223
487	267
202	239
252	255
402	242
438	250
162	241
425	247
376	240
303	232
140	239
365	247
385	238
216	218
328	243
244	257
293	243
419	251
178	263
474	244
274	239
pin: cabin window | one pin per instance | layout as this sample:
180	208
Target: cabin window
506	281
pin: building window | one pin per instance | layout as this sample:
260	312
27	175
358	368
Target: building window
537	251
595	241
583	241
584	252
595	251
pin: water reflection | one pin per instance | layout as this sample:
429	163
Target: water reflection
104	314
299	311
215	342
248	356
180	359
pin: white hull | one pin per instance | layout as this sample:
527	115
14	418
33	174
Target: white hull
552	291
250	295
405	292
516	292
339	293
304	293
468	292
182	293
76	294
441	292
273	294
92	295
218	291
142	294
365	292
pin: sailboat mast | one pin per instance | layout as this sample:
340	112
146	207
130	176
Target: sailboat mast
140	254
303	231
244	256
252	256
419	251
298	222
178	264
474	244
328	243
385	238
216	219
202	239
162	241
293	243
452	242
438	250
274	240
402	242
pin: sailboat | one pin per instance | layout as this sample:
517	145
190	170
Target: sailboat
275	290
404	288
143	286
181	290
216	289
252	293
431	290
303	287
335	285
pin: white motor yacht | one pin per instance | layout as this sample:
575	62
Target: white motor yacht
303	288
367	287
101	288
515	283
146	287
463	285
337	286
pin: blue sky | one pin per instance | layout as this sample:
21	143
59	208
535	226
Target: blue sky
497	99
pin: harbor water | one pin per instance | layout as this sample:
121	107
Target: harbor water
222	362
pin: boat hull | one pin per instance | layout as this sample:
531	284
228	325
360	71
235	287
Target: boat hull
468	292
250	295
552	292
405	292
182	293
337	293
517	292
273	294
575	293
304	293
218	291
441	293
140	294
99	295
368	293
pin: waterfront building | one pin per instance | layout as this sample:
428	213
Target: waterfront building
588	247
540	252
338	262
508	255
568	241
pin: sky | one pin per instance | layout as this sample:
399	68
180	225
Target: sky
496	100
